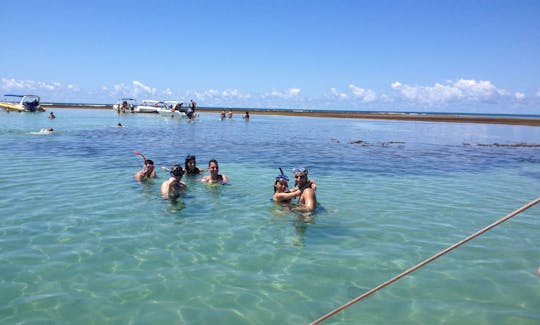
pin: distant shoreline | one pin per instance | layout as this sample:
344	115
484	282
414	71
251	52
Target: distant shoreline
356	115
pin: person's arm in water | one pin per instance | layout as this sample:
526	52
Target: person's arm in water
224	178
284	196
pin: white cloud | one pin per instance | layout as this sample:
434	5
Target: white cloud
141	89
452	91
336	94
29	85
519	96
365	95
287	94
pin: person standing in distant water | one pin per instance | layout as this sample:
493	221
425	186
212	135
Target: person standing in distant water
215	176
171	188
230	113
51	115
191	109
308	199
223	115
147	172
191	166
246	116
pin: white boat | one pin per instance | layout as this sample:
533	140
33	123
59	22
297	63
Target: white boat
149	106
125	105
21	103
172	109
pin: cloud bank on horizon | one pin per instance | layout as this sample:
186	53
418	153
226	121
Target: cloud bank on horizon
467	94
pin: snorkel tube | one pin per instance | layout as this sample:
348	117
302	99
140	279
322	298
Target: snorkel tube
138	153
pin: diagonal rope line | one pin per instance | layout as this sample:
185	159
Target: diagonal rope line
432	258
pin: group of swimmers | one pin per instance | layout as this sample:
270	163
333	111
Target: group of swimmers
230	115
171	188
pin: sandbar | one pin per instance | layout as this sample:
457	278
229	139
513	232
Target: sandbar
452	118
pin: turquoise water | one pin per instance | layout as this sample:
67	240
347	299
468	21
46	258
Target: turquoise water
82	242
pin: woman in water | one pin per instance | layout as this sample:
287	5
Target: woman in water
215	176
191	166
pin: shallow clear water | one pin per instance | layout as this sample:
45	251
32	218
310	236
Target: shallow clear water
82	242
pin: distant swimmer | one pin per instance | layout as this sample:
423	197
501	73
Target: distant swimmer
223	114
281	193
51	115
246	116
171	188
119	125
191	166
229	114
308	199
215	176
46	131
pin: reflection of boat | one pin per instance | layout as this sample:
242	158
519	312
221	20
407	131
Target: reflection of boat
125	105
149	106
21	103
171	108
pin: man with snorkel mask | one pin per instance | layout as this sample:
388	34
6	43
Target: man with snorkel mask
308	199
171	187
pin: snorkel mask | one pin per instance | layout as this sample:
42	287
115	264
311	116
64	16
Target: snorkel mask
300	170
281	176
176	170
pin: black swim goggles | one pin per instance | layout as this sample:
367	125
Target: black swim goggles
176	171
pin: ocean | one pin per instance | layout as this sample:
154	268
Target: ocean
81	242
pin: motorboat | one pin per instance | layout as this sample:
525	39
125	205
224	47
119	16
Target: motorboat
22	103
125	105
149	106
172	109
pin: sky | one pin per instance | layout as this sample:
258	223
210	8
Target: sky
471	56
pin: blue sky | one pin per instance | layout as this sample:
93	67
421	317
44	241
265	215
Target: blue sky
456	56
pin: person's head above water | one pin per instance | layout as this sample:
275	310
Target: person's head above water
300	176
281	183
176	171
191	165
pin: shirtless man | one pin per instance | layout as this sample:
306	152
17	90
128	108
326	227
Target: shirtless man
147	172
171	187
308	199
215	176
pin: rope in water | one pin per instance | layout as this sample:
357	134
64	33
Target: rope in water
419	265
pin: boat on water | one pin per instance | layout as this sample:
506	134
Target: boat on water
172	108
125	105
149	106
22	103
